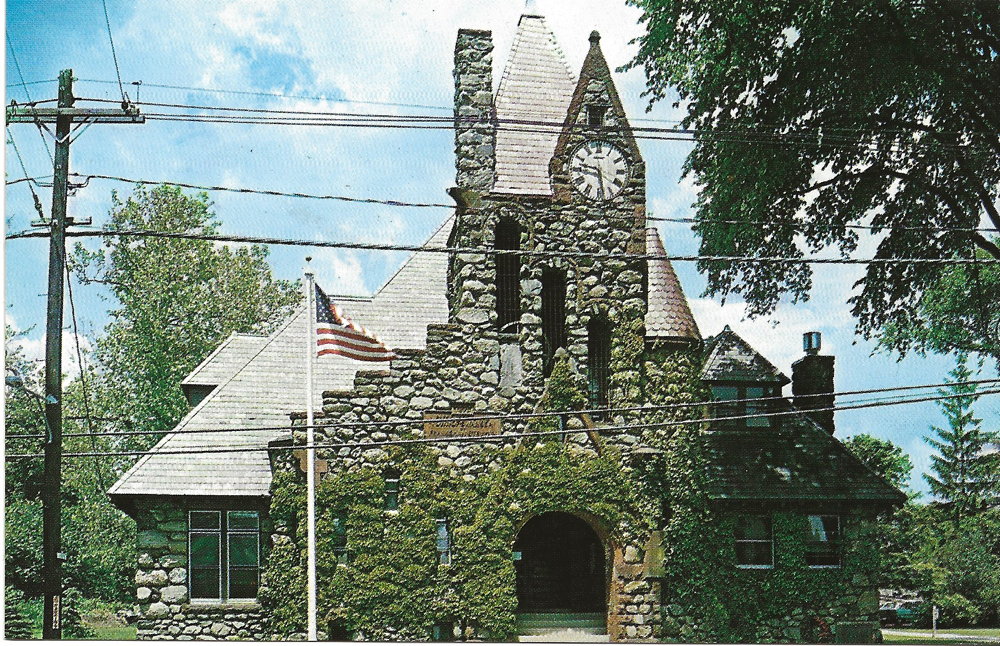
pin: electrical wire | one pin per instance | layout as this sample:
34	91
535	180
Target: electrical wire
27	94
34	195
616	429
438	205
529	416
597	255
114	55
98	471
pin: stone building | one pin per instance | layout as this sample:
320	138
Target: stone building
450	506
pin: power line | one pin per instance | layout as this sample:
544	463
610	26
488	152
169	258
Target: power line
211	449
34	195
275	95
498	252
83	382
528	416
438	205
823	137
27	94
114	55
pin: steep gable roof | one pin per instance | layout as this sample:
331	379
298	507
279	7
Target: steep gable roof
264	386
229	357
730	358
668	314
796	461
537	86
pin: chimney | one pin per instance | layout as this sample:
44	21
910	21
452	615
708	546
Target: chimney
812	382
475	134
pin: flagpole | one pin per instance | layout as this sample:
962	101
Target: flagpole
310	456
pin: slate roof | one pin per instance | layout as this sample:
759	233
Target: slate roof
668	314
796	461
537	85
730	358
229	357
260	382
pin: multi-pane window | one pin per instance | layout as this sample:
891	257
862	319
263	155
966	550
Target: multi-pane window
508	236
823	548
442	540
391	479
754	542
598	361
743	401
553	315
224	554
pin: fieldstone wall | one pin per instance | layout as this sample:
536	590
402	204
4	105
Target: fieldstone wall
475	132
161	581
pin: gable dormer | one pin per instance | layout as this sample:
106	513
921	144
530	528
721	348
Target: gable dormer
737	375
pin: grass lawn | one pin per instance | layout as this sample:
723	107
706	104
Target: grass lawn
114	633
923	639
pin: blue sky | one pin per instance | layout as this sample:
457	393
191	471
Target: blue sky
358	56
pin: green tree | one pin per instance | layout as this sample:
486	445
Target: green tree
896	529
814	116
16	623
965	476
883	457
176	300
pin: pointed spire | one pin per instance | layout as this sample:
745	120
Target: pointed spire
530	8
668	314
536	85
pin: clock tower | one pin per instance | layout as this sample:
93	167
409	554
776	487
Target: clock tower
548	165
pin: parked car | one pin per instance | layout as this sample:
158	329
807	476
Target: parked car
900	614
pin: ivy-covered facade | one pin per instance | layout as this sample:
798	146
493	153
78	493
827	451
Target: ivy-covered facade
449	506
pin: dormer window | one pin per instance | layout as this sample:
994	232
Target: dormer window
744	402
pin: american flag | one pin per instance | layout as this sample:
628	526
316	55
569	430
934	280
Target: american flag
338	334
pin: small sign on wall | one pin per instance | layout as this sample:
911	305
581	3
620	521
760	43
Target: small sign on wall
448	425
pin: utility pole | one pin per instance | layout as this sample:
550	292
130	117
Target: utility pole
64	117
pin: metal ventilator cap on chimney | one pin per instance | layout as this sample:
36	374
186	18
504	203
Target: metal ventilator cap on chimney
812	342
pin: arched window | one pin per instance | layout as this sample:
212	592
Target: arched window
598	361
508	236
553	314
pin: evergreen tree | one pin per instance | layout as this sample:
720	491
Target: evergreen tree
16	624
965	477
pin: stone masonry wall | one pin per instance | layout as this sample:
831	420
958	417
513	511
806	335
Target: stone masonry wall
161	583
475	134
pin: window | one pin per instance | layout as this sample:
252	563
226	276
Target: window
224	554
553	315
339	537
391	477
443	542
595	115
823	548
598	361
754	542
508	236
737	400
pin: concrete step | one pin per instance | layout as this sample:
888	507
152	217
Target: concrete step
562	626
567	635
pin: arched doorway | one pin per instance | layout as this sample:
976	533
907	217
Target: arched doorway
561	567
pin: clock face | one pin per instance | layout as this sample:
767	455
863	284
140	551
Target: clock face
598	170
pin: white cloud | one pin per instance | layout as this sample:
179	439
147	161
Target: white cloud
33	349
